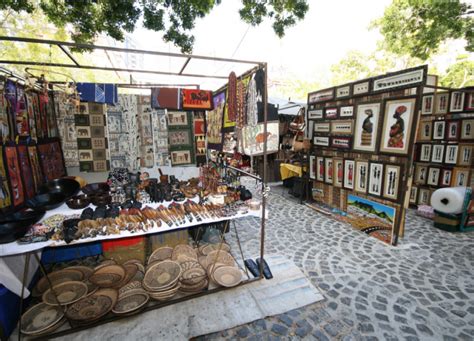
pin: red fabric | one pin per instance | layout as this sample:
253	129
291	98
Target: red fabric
111	245
197	99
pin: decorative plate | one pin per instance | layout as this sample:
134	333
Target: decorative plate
58	277
213	247
193	276
137	262
108	276
133	285
227	276
132	301
195	287
40	317
203	261
160	254
220	257
130	271
86	271
65	293
184	250
94	306
161	275
105	263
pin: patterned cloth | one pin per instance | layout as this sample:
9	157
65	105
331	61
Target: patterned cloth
51	159
67	129
14	175
147	153
166	98
200	137
181	137
36	172
197	99
160	137
5	194
26	171
230	110
98	93
214	122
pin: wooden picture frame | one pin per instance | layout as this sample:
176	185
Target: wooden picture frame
391	181
312	167
469	102
427	105
328	170
421	174
424	196
340	142
433	176
467	130
331	113
439	129
322	128
320	168
466	154
338	174
346	111
343	91
361	88
453	128
362	176
315	114
366	127
441	103
408	78
322	141
437	154
399	116
425	152
321	96
341	127
413	195
456	101
460	177
376	175
446	177
425	131
349	174
451	154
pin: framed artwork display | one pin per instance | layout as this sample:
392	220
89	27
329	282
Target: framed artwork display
427	105
310	129
312	167
437	153
439	128
460	177
402	79
315	114
349	172
341	142
320	168
451	155
466	152
445	179
397	126
328	170
433	176
361	88
338	174
457	101
346	111
421	173
362	174
425	153
322	141
366	127
341	127
425	131
467	130
322	128
441	103
469	106
343	91
375	178
452	130
424	196
330	113
391	182
321	96
413	195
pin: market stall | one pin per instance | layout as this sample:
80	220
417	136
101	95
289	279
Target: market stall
129	137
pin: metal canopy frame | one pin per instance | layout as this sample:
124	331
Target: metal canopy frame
64	45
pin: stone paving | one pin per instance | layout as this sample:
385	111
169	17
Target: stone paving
422	289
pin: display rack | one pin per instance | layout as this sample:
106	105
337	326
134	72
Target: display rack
181	73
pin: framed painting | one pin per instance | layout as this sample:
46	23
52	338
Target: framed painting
433	176
398	80
424	196
361	88
425	131
322	128
453	129
328	170
321	141
321	96
451	154
177	118
349	174
441	103
312	167
460	177
391	182
469	106
343	91
315	114
366	127
445	178
427	105
425	153
397	126
413	195
467	129
341	142
338	174
330	113
346	111
466	152
375	178
457	101
320	168
362	173
439	128
437	153
421	173
341	127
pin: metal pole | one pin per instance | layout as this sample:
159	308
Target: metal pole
25	274
264	175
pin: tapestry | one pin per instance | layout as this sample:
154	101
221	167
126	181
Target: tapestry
30	107
5	196
241	117
166	98
35	166
230	142
214	122
4	122
98	93
26	171
254	137
230	110
123	133
43	115
14	175
10	97
254	96
51	117
51	160
197	99
91	139
181	137
160	137
147	154
67	128
200	137
21	113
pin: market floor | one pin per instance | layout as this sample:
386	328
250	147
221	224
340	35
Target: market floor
422	289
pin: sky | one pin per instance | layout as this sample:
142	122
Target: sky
330	30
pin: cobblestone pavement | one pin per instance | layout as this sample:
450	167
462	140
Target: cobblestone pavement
422	289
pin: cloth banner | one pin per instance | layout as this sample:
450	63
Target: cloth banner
197	99
166	98
98	92
214	120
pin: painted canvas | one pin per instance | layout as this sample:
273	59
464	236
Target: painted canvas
214	122
375	219
253	138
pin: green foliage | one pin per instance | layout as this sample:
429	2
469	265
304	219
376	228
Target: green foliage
460	74
418	28
176	18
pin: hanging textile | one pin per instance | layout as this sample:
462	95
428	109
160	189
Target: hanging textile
26	170
67	128
230	111
252	99
166	98
197	99
10	96
241	113
35	166
51	160
180	137
43	115
214	122
5	195
199	137
51	117
21	113
160	137
4	122
91	138
147	154
14	175
98	92
31	113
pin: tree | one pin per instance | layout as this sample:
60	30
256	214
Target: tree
418	28
459	74
176	18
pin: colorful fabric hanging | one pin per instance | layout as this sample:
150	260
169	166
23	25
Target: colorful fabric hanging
98	92
51	117
67	128
26	171
10	96
14	175
36	171
200	137
214	122
180	137
230	111
160	137
4	122
51	159
21	113
43	115
31	113
145	129
197	99
5	194
166	98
